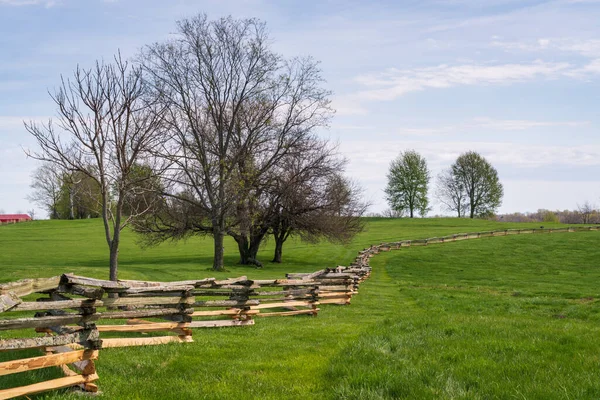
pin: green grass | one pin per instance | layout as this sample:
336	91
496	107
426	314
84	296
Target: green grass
505	317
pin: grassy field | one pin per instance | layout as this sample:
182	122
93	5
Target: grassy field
505	317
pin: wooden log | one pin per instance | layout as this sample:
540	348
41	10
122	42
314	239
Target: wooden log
288	313
52	360
242	280
336	288
284	304
225	303
337	275
220	324
292	292
313	275
171	290
151	327
144	313
8	301
137	321
282	283
72	279
43	322
89	337
85	367
335	301
27	286
215	313
141	284
148	341
147	301
58	305
85	291
335	295
222	292
48	385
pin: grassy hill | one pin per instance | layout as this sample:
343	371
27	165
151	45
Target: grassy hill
504	317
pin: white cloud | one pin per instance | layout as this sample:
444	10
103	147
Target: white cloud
520	125
394	83
18	3
585	47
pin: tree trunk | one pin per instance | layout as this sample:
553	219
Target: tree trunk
280	238
248	247
114	258
278	250
243	248
255	246
218	236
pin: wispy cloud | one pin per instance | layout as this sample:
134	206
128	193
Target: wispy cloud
585	47
18	3
521	125
394	83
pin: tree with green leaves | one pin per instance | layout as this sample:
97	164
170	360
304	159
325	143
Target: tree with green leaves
408	181
480	182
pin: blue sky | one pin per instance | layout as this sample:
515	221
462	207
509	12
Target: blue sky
517	81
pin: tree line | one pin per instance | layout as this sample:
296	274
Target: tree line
207	133
469	187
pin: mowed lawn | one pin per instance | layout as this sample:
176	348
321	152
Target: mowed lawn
504	317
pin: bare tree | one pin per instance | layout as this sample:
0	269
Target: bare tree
235	109
46	182
322	207
586	211
105	125
390	213
451	193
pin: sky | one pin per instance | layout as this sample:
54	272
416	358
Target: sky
515	80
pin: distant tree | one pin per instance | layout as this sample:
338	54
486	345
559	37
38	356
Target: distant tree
408	181
479	180
586	211
106	125
81	196
390	213
450	191
46	182
31	213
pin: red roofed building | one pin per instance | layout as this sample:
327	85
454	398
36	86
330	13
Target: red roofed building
13	218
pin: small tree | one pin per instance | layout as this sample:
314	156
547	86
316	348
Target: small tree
46	182
451	193
586	211
476	176
408	181
330	210
106	125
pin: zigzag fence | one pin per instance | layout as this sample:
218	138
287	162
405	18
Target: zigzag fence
68	307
